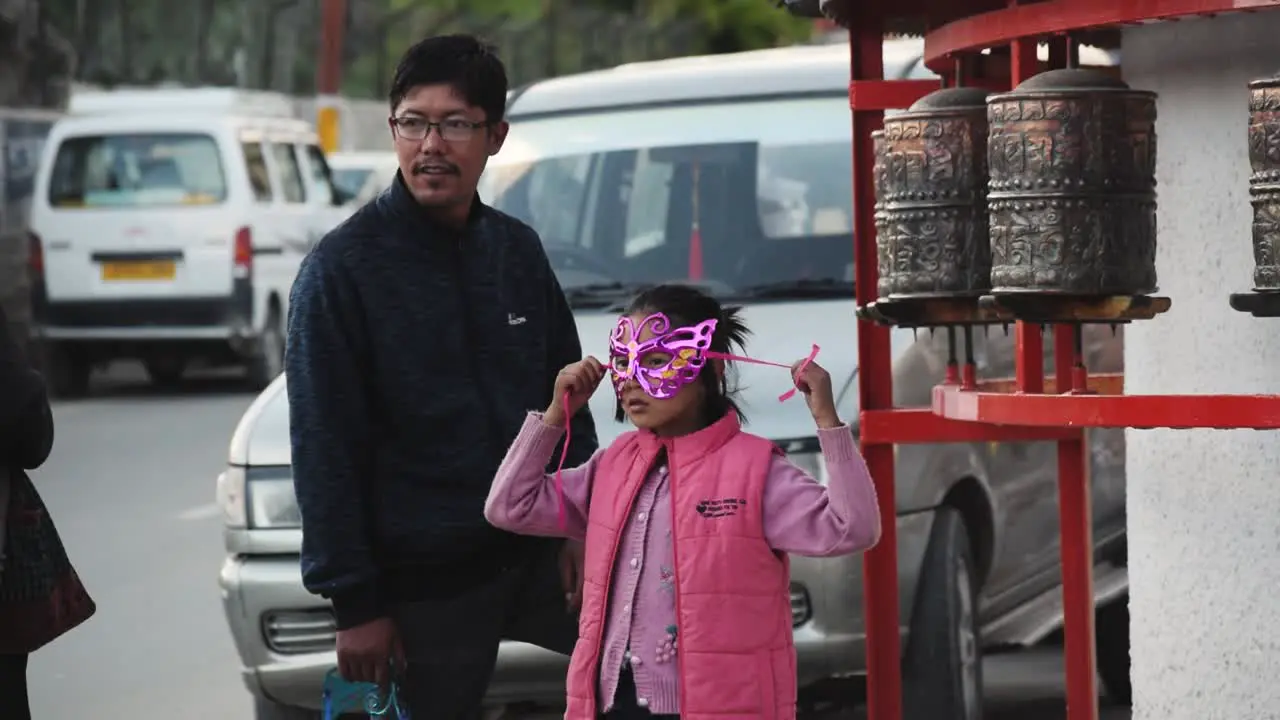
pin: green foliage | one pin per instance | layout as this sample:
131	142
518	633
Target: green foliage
272	44
727	25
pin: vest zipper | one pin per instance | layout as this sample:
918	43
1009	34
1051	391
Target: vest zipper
683	685
604	606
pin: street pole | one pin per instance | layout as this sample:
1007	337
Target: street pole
329	75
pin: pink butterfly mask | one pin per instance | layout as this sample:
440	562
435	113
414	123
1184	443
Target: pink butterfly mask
685	349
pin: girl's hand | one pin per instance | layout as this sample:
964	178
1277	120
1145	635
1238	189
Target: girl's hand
815	383
580	380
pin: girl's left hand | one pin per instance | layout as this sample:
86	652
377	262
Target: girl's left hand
815	383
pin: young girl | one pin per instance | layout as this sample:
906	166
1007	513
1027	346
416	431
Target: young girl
687	521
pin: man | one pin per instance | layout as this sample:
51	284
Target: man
421	331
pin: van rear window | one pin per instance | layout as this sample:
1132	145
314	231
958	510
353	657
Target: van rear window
141	170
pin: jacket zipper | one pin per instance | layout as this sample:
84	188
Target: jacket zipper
604	606
469	339
682	686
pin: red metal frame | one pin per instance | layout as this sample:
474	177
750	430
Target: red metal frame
1002	27
1029	407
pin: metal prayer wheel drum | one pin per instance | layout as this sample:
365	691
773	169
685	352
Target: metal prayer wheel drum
1072	156
1264	183
931	207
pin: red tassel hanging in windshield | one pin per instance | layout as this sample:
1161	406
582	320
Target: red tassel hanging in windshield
695	235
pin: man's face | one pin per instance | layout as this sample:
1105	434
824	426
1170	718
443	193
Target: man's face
443	167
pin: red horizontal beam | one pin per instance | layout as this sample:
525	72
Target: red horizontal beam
1054	17
901	94
888	94
1220	412
921	426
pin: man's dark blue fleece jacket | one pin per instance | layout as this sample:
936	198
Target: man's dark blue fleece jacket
415	351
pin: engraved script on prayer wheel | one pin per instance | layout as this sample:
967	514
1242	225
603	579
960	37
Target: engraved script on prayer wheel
931	210
1072	156
1264	183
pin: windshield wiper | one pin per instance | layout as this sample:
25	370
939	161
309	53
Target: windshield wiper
601	295
799	289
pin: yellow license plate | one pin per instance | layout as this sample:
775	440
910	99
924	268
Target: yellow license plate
157	270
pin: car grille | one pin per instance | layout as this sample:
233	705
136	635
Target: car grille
299	632
800	609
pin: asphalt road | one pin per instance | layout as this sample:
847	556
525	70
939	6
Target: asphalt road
131	485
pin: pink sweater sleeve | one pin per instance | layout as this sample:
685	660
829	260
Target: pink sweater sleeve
523	497
803	517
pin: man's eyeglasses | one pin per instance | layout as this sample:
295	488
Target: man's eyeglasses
454	130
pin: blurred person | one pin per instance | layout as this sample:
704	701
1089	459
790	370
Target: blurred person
421	331
41	596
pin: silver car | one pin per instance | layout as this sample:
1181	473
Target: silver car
615	169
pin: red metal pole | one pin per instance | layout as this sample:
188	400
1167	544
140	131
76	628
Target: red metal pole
1029	368
875	387
329	72
1075	517
1075	514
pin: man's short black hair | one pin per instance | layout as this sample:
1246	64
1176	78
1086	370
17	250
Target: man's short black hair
470	66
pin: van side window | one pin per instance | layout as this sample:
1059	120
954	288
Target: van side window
259	177
290	173
320	180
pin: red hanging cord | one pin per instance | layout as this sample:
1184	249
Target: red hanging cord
695	234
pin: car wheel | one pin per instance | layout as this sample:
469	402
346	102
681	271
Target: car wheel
165	372
1111	629
69	373
264	709
268	358
942	673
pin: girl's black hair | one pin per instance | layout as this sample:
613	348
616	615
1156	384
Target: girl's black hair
685	305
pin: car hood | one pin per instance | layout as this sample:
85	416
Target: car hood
780	332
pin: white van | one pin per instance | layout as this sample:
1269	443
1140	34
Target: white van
168	226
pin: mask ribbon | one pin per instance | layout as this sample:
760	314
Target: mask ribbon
568	430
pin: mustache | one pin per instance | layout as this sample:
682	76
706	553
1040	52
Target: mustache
421	167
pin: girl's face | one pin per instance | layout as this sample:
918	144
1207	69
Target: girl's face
678	414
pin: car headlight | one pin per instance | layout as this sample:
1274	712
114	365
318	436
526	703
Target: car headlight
259	498
230	495
806	454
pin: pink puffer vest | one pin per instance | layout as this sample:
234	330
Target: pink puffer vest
736	655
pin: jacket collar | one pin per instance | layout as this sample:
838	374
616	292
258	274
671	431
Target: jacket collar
703	442
398	201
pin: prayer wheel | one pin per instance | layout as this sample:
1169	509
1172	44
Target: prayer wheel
1264	183
1072	156
931	206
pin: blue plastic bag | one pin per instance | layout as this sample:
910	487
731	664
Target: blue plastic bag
341	696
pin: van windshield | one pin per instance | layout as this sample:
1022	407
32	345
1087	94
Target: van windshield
132	171
749	200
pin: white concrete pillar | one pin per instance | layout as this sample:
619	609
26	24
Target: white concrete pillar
1204	506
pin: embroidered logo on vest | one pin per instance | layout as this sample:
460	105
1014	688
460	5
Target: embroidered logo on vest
724	507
